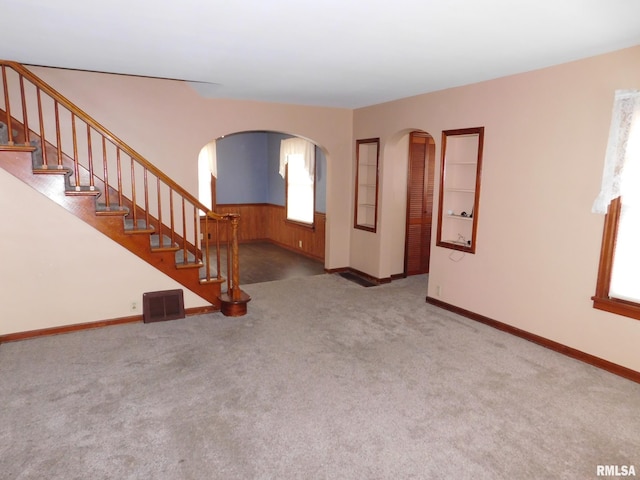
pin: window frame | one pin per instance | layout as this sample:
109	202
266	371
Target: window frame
299	223
214	193
601	299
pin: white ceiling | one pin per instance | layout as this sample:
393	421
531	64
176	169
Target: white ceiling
342	53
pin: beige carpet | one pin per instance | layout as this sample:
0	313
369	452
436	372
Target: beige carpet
323	379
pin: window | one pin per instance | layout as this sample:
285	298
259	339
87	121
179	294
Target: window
297	166
300	191
618	285
207	172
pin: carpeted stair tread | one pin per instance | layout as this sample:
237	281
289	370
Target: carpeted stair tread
188	265
204	281
37	159
4	134
139	227
51	169
81	190
16	148
112	209
213	275
166	245
191	260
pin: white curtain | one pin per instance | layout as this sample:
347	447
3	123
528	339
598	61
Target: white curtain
620	179
207	166
208	155
297	146
623	152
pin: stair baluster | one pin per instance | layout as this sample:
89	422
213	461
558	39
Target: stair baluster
76	163
25	120
92	185
7	106
105	173
58	138
45	163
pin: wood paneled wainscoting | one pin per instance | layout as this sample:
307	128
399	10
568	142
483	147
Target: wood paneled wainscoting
267	222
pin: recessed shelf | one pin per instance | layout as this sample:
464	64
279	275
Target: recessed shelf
460	188
366	191
456	242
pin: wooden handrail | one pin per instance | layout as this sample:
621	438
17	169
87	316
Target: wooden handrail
74	109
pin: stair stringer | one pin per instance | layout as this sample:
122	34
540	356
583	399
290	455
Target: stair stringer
18	162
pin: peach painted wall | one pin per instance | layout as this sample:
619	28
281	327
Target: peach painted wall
51	275
168	123
538	243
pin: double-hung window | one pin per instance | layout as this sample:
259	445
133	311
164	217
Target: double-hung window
618	285
207	173
297	166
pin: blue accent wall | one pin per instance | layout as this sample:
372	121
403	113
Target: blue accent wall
248	166
242	168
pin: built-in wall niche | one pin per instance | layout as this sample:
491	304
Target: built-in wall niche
366	202
460	172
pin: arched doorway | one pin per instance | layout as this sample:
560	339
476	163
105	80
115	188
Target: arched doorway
250	182
420	186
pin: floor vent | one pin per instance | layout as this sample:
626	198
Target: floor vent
161	306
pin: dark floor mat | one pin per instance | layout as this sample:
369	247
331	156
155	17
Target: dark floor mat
357	279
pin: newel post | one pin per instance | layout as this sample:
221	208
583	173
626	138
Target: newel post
235	260
234	302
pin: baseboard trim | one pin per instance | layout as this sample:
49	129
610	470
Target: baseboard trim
337	270
371	278
45	332
200	310
598	362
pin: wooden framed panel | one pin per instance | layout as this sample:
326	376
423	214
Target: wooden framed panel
366	189
460	173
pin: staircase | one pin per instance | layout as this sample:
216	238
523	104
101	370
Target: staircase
56	148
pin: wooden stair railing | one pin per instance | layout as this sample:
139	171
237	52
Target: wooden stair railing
102	165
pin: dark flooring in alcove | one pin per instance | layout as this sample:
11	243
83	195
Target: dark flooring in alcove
266	262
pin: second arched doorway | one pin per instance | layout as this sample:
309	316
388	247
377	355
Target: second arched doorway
420	187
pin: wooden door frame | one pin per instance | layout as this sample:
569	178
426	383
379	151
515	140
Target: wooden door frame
429	169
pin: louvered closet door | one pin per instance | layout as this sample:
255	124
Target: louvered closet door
419	203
